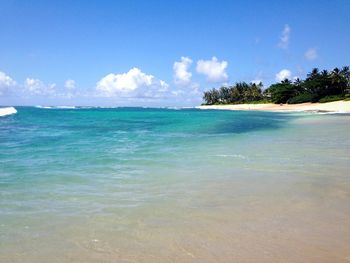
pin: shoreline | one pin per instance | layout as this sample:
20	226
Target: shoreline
335	106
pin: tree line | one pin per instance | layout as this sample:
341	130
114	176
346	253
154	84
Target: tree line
318	86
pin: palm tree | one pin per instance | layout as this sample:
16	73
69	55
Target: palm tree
211	96
297	82
286	81
259	87
224	94
235	94
324	73
335	76
314	73
338	80
256	91
345	72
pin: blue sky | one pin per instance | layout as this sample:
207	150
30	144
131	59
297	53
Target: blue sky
160	53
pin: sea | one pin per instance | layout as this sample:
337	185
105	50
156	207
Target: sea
88	184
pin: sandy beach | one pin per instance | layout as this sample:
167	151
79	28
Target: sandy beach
336	106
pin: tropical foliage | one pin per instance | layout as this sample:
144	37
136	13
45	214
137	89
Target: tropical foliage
241	92
319	86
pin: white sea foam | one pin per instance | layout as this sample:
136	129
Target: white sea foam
7	111
333	112
179	108
65	107
55	107
43	107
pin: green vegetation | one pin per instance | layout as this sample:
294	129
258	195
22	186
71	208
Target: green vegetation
332	98
302	98
240	93
324	86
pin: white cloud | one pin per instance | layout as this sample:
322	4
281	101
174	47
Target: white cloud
213	69
37	87
311	54
5	82
284	38
70	84
181	74
283	74
133	83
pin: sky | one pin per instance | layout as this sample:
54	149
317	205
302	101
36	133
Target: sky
161	53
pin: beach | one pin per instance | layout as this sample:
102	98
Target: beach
336	106
175	132
166	185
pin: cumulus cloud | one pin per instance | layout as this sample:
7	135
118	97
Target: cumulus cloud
284	38
311	54
6	82
133	83
181	74
37	87
213	69
283	74
70	84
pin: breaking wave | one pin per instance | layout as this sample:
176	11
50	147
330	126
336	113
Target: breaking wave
55	107
7	111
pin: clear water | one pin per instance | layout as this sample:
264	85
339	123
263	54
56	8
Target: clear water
160	185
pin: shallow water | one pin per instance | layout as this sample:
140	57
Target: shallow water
158	185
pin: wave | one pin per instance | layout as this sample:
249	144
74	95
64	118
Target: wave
65	107
333	112
177	108
7	111
43	107
55	107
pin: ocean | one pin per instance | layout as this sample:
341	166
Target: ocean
173	185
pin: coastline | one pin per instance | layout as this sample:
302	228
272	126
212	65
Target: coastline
335	106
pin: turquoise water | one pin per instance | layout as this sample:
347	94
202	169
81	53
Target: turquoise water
165	185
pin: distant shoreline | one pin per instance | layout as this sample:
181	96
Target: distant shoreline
336	106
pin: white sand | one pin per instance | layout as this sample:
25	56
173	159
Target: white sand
336	106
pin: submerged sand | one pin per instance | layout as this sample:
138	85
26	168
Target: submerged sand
336	106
